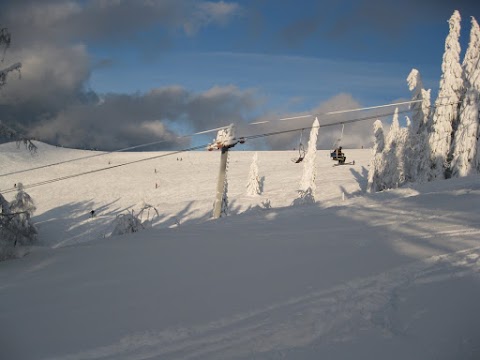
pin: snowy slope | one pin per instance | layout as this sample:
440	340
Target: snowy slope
393	275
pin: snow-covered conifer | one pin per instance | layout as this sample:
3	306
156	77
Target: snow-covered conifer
309	163
253	181
420	109
417	148
465	152
403	161
391	177
376	169
22	209
445	116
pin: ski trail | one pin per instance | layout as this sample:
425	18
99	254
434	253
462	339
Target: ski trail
324	316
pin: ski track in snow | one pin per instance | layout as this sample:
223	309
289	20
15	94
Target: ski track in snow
442	220
327	316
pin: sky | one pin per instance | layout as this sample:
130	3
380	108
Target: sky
109	74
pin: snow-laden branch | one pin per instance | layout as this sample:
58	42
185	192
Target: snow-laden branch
4	72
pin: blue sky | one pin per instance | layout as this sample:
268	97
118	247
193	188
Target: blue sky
271	47
120	72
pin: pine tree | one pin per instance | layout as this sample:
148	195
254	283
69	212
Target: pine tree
309	163
375	171
253	182
421	109
393	143
465	156
403	163
23	207
445	117
417	148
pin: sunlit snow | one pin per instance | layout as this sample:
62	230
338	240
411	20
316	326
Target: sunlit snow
392	275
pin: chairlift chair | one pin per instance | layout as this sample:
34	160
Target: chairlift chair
301	151
336	154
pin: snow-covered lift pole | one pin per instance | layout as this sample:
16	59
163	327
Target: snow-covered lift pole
224	141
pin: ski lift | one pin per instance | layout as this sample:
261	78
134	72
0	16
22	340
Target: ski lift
336	154
301	151
225	139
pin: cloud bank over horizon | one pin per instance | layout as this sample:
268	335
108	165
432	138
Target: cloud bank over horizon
61	44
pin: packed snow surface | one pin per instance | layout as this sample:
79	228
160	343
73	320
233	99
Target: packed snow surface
393	275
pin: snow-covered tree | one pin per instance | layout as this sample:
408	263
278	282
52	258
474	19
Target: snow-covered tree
445	116
16	227
391	175
309	163
421	108
253	181
403	163
23	207
465	156
417	148
376	168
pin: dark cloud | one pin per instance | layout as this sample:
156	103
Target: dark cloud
357	21
122	20
52	101
115	121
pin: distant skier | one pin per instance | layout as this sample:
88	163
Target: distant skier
92	213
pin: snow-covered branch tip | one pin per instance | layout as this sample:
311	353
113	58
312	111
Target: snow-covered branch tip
4	73
29	145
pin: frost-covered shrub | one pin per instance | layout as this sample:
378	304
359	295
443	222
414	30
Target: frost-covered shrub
304	197
129	223
126	224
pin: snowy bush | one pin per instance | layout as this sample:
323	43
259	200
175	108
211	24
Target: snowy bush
305	197
130	222
127	224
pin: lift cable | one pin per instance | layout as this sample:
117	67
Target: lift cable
256	136
6	191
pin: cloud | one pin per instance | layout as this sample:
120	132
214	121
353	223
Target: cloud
99	20
356	134
121	120
358	21
52	101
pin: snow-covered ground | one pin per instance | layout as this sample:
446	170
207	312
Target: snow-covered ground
393	275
